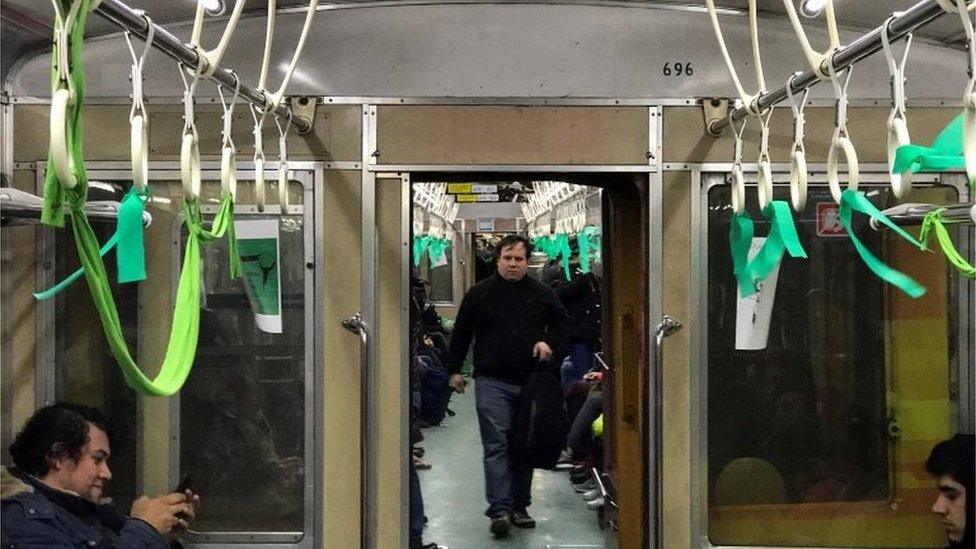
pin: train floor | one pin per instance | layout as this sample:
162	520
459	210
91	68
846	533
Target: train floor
454	494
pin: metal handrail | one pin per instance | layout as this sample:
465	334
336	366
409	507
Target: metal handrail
357	325
133	21
668	326
900	26
914	214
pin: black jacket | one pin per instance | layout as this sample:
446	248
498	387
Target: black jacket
581	297
506	319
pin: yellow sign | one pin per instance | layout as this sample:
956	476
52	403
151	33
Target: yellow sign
459	188
466	198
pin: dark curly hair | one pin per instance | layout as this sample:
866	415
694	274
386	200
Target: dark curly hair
54	431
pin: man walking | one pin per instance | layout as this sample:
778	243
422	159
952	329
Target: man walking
515	321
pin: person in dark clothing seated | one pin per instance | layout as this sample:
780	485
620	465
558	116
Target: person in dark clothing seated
952	463
53	497
515	321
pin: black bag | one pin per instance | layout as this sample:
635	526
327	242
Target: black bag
540	424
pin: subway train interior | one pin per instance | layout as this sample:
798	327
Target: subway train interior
487	273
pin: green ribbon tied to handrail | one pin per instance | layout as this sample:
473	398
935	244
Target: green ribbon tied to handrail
782	238
946	152
934	222
854	201
589	246
182	346
434	246
555	246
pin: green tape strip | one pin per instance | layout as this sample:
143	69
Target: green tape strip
130	255
782	238
944	154
589	246
852	201
933	222
741	229
70	279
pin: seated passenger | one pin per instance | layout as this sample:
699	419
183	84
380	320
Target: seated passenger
952	463
52	499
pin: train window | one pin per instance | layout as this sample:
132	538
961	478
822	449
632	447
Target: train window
243	437
820	415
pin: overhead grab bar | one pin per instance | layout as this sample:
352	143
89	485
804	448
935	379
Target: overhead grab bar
868	44
18	204
130	19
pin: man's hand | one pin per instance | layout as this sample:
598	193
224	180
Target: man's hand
167	514
542	350
457	382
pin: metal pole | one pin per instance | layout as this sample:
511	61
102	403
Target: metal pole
914	214
908	21
132	20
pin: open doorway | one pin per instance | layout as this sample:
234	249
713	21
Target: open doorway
458	222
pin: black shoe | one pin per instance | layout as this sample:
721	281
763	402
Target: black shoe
417	543
500	526
521	519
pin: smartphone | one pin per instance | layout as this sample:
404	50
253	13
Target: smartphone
183	486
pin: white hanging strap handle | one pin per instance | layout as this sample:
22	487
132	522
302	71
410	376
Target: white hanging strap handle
190	146
64	94
969	95
259	196
138	118
749	101
841	142
283	163
815	59
738	178
764	179
274	99
228	151
798	156
901	184
213	57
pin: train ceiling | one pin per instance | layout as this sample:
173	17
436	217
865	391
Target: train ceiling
26	24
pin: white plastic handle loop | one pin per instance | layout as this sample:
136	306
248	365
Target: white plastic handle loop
750	101
969	95
815	59
63	96
764	179
283	199
190	145
228	151
138	119
952	6
212	57
898	135
738	190
259	195
841	142
798	157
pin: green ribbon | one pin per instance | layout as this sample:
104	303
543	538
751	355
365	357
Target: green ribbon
944	154
437	247
70	279
181	349
782	238
741	229
130	255
852	201
555	246
589	246
933	222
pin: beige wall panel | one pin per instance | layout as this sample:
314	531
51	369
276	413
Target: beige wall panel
687	141
106	132
393	321
19	322
677	361
341	387
511	135
335	136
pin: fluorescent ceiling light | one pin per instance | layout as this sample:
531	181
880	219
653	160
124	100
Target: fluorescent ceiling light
213	7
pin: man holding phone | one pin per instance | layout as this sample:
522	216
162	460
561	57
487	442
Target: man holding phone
53	497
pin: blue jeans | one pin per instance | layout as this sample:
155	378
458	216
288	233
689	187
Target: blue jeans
579	357
508	485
